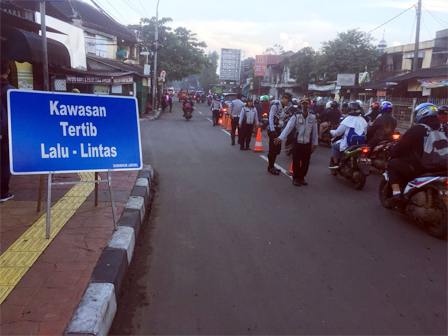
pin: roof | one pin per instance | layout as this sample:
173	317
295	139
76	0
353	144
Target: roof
34	6
92	18
98	64
274	59
422	73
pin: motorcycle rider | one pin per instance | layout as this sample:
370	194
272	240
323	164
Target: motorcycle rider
375	110
331	118
353	125
216	108
344	109
190	102
247	120
443	117
383	127
305	124
276	124
234	111
407	153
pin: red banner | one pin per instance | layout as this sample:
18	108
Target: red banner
261	62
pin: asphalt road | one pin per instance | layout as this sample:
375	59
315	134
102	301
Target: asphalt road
231	249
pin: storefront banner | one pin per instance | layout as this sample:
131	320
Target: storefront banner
89	80
315	87
346	79
123	80
434	82
261	62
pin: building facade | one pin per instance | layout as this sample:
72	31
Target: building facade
230	67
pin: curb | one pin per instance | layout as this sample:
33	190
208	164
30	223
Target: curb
96	311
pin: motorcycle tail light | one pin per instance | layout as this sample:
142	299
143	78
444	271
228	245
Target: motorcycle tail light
396	136
265	114
224	110
365	150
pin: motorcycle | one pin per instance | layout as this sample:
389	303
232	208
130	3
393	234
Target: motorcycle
209	101
265	121
425	200
188	111
203	99
354	165
381	153
198	99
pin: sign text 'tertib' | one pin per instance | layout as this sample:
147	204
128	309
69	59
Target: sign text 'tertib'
65	132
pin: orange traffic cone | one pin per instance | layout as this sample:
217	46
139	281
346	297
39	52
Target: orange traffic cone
236	131
224	120
229	124
258	142
219	121
291	171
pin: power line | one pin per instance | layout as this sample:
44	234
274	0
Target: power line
144	10
103	10
391	19
436	17
423	20
117	11
135	9
412	30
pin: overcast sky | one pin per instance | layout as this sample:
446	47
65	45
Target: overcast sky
254	25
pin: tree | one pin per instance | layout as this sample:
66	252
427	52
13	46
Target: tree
208	75
349	52
302	68
182	54
276	49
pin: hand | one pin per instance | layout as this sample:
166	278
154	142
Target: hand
313	148
277	141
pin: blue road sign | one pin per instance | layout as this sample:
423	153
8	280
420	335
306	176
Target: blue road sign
66	132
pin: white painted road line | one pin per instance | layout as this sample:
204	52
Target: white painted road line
264	157
200	112
209	120
226	132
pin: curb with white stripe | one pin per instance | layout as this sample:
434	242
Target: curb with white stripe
96	311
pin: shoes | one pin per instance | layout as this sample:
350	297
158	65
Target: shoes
242	148
247	148
277	170
334	166
7	197
296	182
233	142
273	171
302	181
396	199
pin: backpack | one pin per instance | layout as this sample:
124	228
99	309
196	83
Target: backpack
355	139
435	150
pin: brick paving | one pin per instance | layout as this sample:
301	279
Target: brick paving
44	300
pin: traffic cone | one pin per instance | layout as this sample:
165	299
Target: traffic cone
258	142
291	171
236	131
229	124
220	121
224	120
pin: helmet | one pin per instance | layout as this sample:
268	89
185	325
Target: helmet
354	109
319	99
328	104
244	99
257	101
345	104
375	105
304	100
443	109
425	110
386	107
75	90
359	102
264	98
295	101
271	97
249	100
334	104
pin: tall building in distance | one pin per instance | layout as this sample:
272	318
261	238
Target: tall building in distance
230	66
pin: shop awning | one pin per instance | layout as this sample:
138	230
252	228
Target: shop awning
24	46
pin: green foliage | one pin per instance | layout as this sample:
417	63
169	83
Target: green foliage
349	52
182	54
303	66
208	75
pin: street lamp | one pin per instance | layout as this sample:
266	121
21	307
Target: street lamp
156	38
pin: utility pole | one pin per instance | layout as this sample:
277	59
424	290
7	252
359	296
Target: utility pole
156	37
417	36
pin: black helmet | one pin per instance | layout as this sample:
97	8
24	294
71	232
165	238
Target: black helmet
334	104
257	101
287	95
354	109
249	99
443	109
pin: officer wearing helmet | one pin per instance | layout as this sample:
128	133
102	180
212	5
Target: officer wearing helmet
406	155
383	127
353	124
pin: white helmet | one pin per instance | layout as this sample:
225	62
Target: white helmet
328	104
319	99
271	97
360	102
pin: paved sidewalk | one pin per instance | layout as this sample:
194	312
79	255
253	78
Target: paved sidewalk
45	298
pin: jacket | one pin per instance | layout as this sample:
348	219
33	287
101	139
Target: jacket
216	105
235	107
358	123
248	115
383	127
277	114
306	128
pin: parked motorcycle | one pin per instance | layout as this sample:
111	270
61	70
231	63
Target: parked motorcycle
381	153
425	200
354	165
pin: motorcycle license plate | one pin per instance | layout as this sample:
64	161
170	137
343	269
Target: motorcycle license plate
364	160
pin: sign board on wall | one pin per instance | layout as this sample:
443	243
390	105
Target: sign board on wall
434	82
346	79
101	89
24	75
426	92
381	93
82	132
89	80
261	62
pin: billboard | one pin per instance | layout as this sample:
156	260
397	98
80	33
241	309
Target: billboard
346	80
66	132
261	62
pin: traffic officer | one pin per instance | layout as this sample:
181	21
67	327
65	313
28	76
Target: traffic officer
305	123
248	119
234	112
216	109
276	124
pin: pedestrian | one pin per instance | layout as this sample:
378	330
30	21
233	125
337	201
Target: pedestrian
164	101
234	111
5	173
305	123
248	119
169	99
276	124
216	108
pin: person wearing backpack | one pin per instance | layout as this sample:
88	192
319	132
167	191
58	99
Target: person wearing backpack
216	108
352	128
5	173
409	154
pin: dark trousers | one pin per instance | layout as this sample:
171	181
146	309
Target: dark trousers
246	131
235	122
402	170
5	174
171	106
215	117
274	149
301	154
